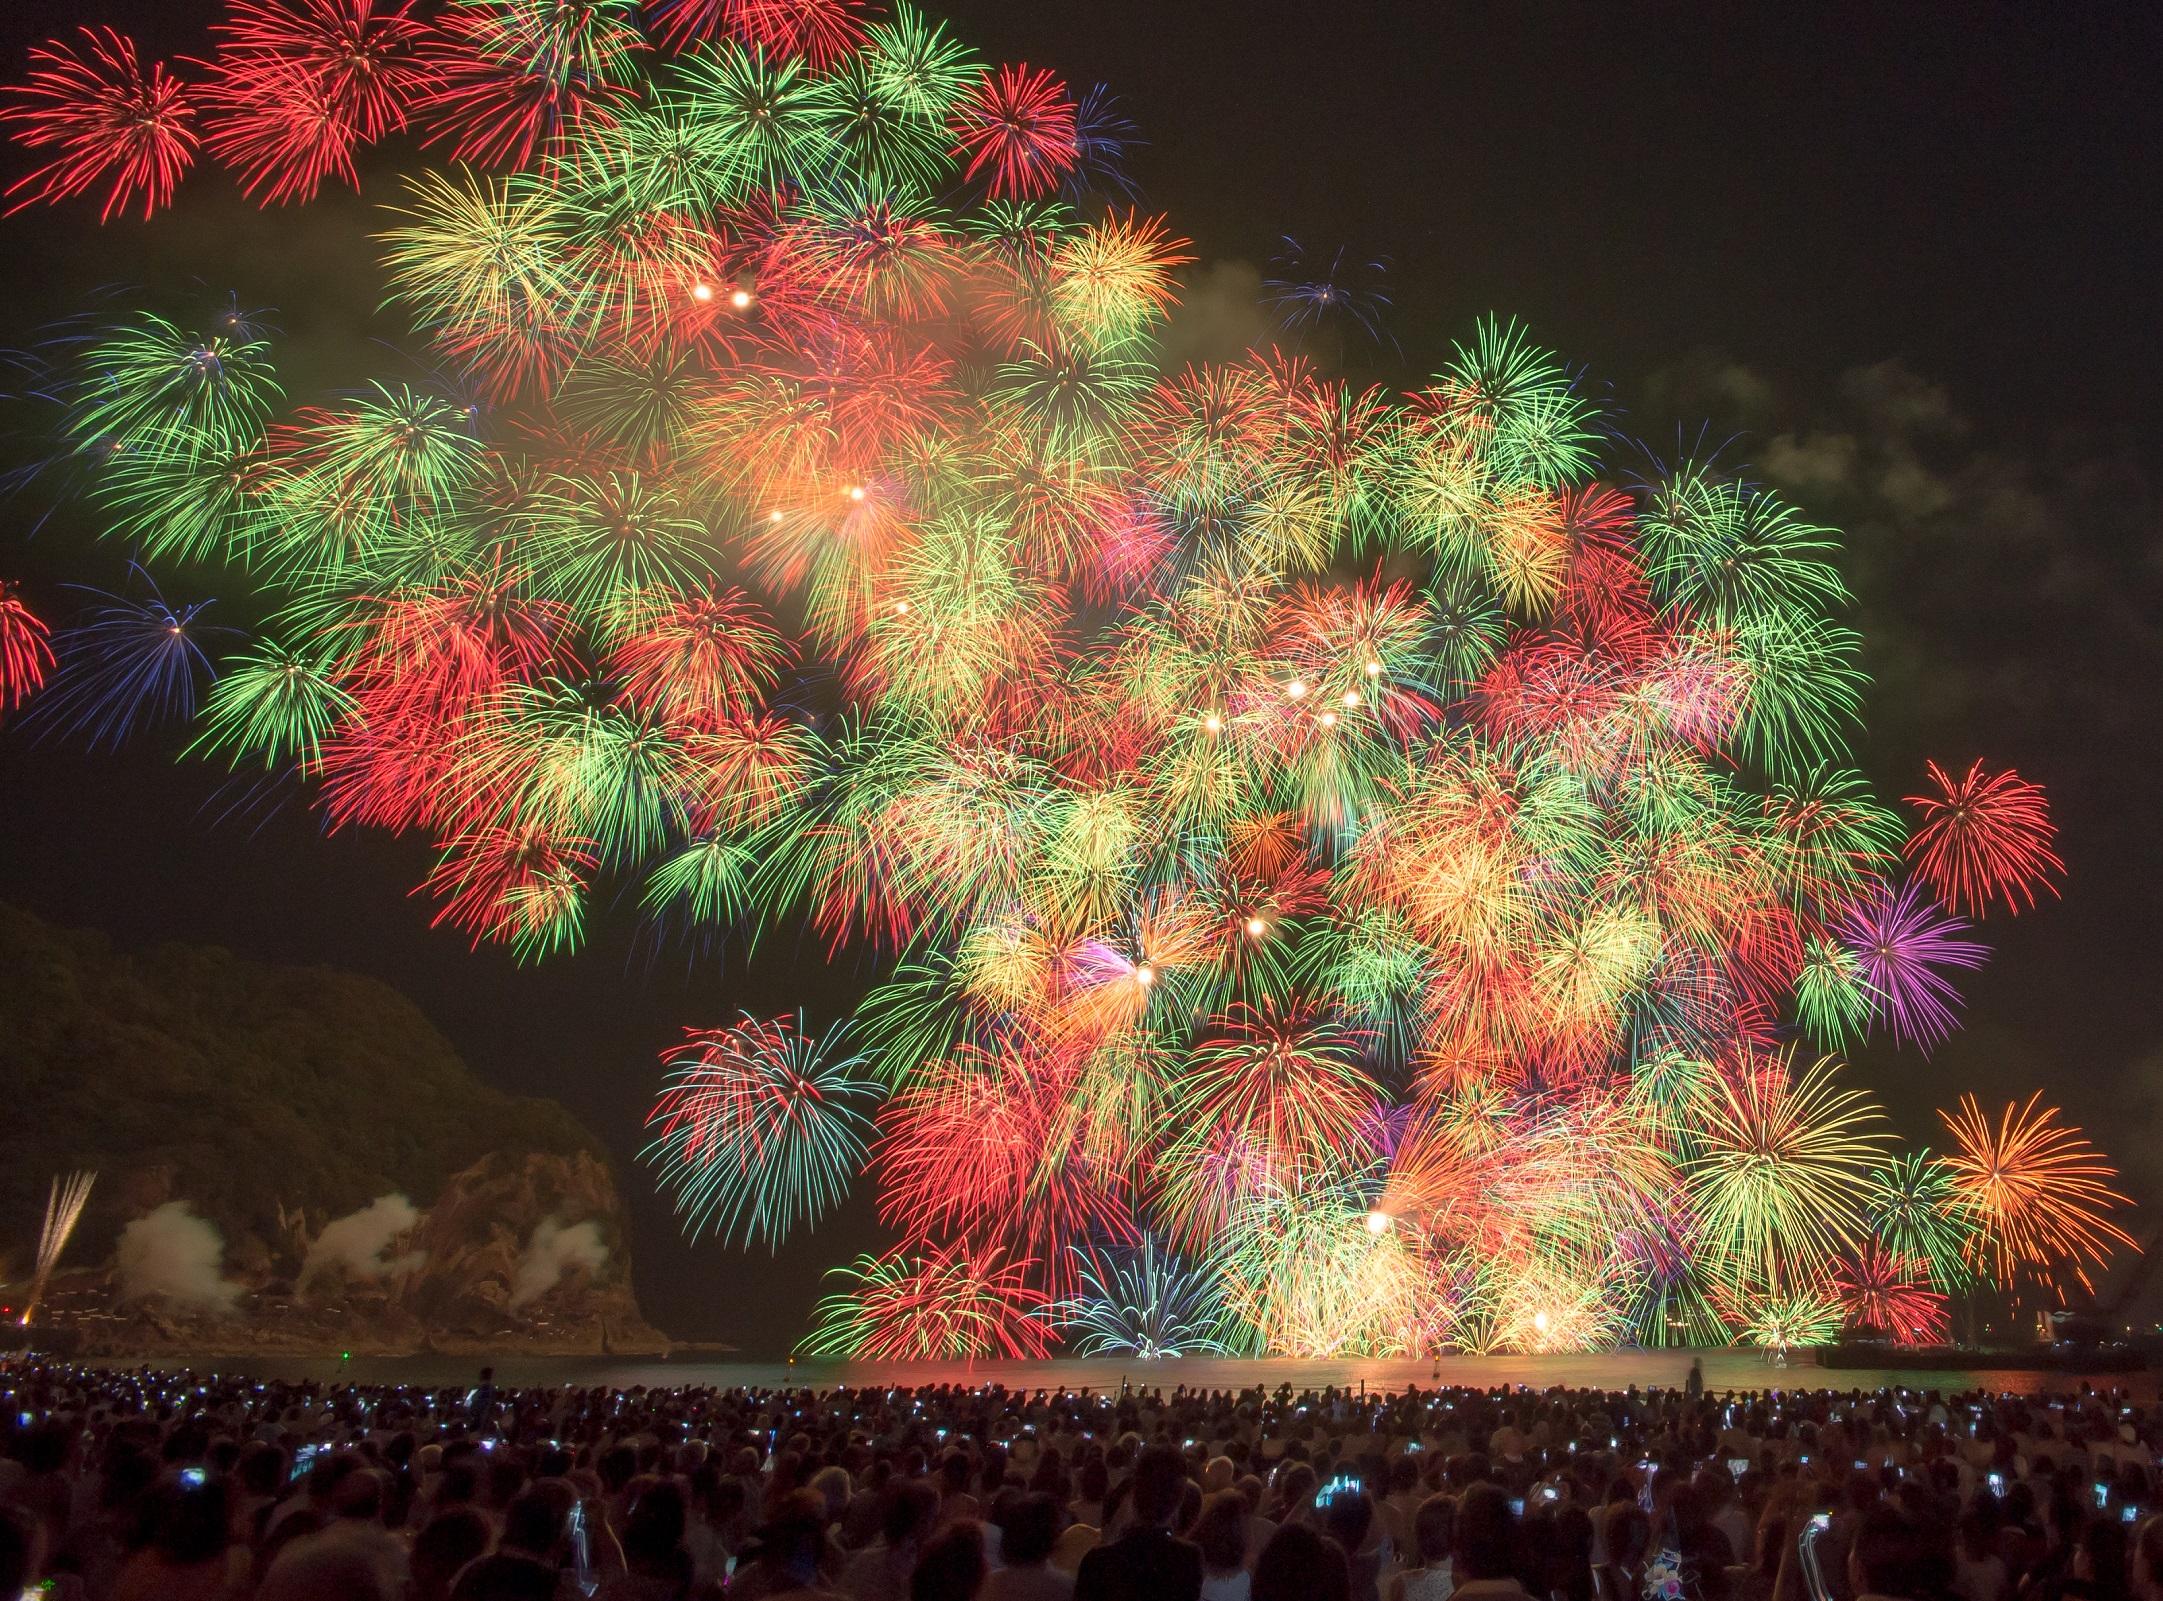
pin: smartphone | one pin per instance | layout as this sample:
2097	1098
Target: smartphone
1737	1466
1344	1482
2102	1495
2129	1514
1996	1481
303	1460
1861	1466
1517	1506
194	1478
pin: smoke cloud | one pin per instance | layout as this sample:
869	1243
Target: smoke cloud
552	1252
360	1242
1219	316
175	1256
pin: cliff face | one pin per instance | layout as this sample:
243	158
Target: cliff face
463	1296
272	1100
476	1236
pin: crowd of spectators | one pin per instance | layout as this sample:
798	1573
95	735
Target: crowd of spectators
177	1486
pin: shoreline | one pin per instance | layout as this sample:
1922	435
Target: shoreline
1725	1370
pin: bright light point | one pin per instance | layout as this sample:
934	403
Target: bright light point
1351	697
1256	928
702	292
1374	669
1539	1321
1145	976
1213	723
1378	1222
773	516
741	300
856	491
1297	689
901	608
1329	719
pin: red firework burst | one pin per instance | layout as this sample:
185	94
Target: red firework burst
362	52
1892	1295
510	77
25	656
1019	123
699	660
518	885
108	120
294	87
421	675
1985	837
989	1142
821	31
277	128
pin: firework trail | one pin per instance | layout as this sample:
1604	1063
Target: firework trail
64	1204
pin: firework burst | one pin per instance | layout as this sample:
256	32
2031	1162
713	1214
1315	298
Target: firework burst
1146	1303
2038	1192
1985	836
1373	845
26	654
947	1306
107	120
760	1128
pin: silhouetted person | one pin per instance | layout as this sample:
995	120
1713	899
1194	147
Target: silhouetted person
1148	1562
441	1551
952	1567
1484	1558
523	1565
1301	1565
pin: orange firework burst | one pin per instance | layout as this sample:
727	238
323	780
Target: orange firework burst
2038	1191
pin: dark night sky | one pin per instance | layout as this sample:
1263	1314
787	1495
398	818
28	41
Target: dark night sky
1905	258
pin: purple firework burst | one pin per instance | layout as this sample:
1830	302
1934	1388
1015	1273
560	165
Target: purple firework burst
1905	943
